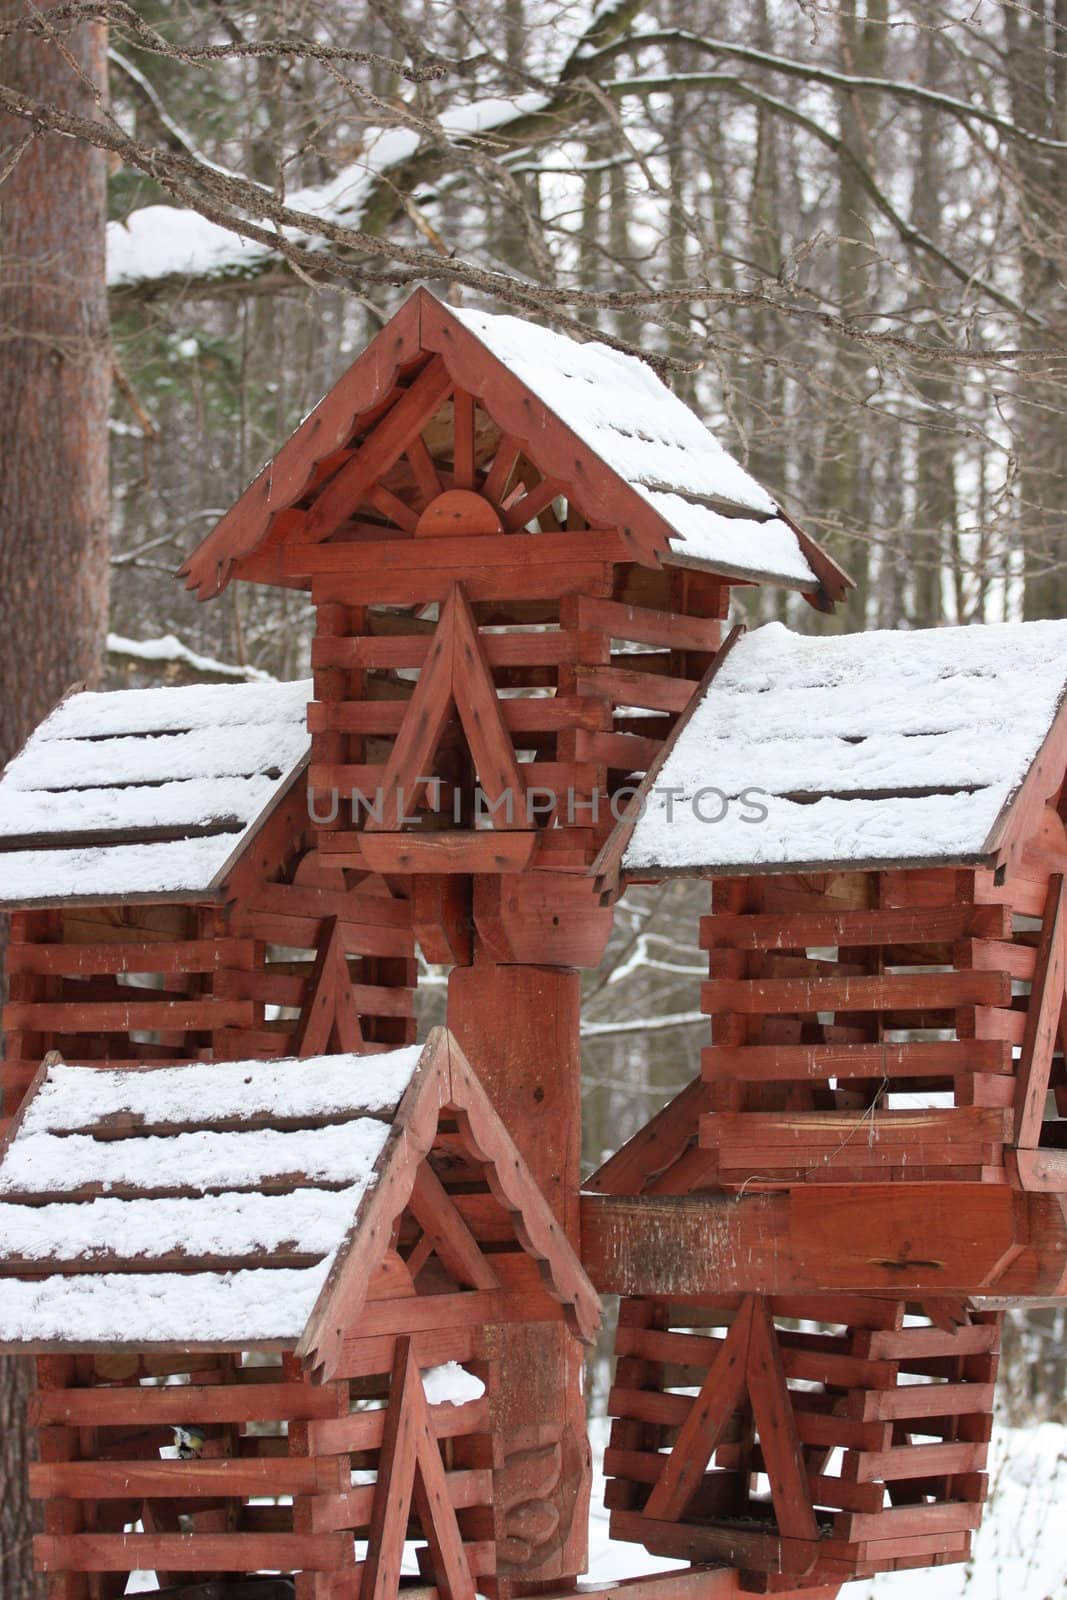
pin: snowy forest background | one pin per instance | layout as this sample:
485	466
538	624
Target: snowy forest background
839	229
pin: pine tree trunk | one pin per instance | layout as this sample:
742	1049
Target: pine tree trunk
54	381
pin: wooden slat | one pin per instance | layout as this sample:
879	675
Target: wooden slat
820	1133
166	1406
547	648
928	1400
804	1062
362	1430
94	960
451	553
918	1460
192	1552
628	688
719	1397
779	1441
386	442
543	714
645	626
201	1479
1043	1019
417	585
78	1016
804	930
900	991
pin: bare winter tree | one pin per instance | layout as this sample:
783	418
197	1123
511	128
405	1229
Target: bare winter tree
54	382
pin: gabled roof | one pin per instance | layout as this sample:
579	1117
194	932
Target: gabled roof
236	1203
885	749
146	793
602	423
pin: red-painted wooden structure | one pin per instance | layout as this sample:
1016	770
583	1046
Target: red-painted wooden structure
520	552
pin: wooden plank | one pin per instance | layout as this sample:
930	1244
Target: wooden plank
833	1135
367	384
918	1460
732	1544
948	1237
329	1009
397	1465
606	868
907	1522
805	930
484	850
543	714
779	1441
881	992
202	1479
94	960
928	1400
463	432
428	709
1043	1019
475	698
448	1233
416	585
167	1406
669	629
720	1395
363	1430
656	1146
937	1058
378	452
78	1016
503	650
629	688
422	466
191	1552
452	553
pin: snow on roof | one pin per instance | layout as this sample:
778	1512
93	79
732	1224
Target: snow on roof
145	791
655	443
232	1203
311	1133
873	749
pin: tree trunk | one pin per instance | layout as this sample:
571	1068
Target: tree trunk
54	382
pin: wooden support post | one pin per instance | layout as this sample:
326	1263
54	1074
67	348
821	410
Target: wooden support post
518	1026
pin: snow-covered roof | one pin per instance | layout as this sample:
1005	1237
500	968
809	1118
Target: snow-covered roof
222	1203
145	792
622	410
657	471
240	1179
866	749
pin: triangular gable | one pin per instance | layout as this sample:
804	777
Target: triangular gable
456	679
664	512
443	1082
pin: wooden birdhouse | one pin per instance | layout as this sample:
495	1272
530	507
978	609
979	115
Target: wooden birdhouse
266	1299
873	1160
169	903
520	550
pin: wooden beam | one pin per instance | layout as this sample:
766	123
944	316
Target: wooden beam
1043	1019
952	1237
721	1394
